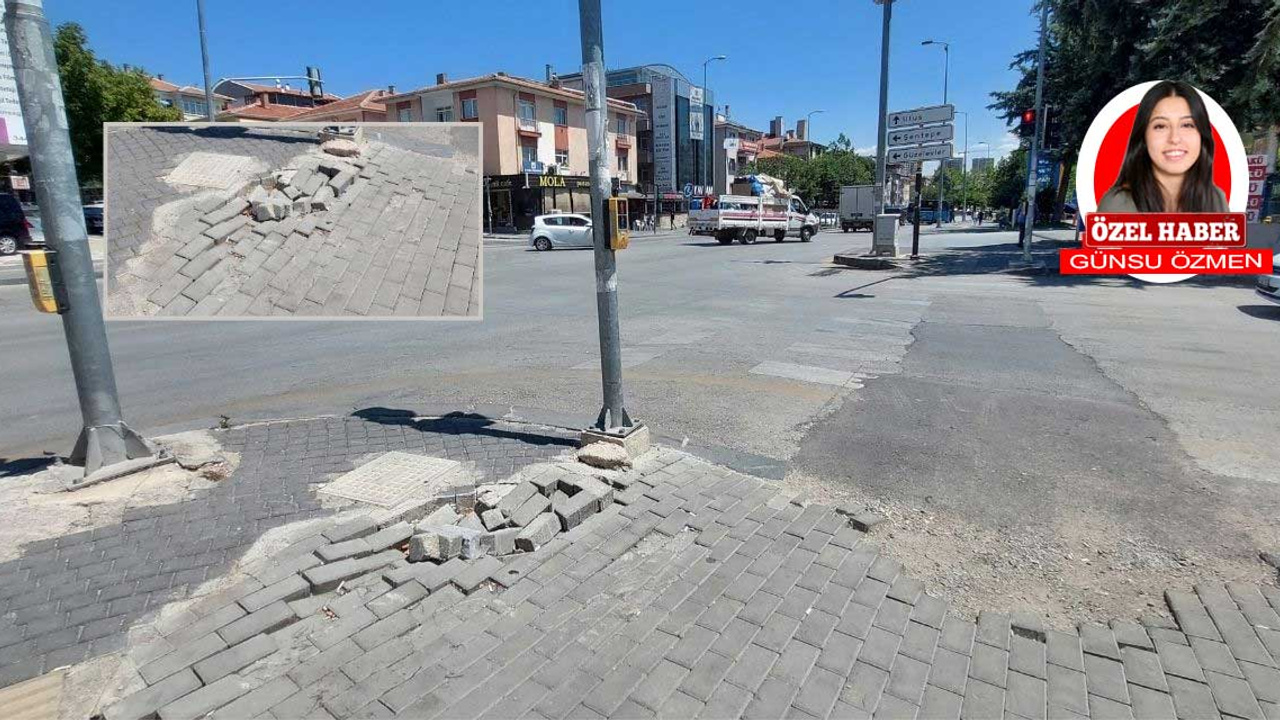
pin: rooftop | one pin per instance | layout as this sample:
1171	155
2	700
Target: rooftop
512	80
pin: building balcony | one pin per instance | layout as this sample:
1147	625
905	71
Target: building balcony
624	141
527	127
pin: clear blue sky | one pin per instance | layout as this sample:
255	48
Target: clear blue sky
806	55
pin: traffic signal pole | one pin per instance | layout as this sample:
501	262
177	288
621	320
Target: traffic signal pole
106	446
613	418
882	124
1035	139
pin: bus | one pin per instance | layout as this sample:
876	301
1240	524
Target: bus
928	209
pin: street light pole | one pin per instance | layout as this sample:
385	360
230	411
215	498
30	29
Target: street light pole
964	168
808	123
942	174
210	113
882	121
613	418
106	444
1035	139
702	149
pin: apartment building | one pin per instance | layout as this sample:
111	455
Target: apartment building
535	141
187	98
736	145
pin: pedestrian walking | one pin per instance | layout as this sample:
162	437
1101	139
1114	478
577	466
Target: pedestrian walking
1020	220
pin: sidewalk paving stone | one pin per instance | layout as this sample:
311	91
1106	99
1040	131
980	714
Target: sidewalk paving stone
626	617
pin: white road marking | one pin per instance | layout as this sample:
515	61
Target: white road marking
807	373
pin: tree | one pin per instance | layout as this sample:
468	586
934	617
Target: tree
818	180
1094	49
95	92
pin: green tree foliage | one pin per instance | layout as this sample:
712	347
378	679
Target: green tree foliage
96	92
818	180
1230	49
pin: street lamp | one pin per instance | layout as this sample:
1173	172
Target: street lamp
702	151
946	71
964	168
808	123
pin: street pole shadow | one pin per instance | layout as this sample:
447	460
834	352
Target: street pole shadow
459	423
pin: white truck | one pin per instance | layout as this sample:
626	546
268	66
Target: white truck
747	217
857	207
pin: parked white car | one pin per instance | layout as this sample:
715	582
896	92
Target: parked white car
561	230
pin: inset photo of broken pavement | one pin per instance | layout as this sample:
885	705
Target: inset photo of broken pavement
277	220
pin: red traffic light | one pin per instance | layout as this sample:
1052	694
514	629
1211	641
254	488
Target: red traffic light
1028	116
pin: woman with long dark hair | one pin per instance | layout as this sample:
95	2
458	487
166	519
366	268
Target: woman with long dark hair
1169	164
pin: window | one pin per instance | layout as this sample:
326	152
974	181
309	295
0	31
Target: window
562	114
622	125
622	163
444	114
469	111
527	110
562	158
403	114
553	221
528	154
576	221
194	107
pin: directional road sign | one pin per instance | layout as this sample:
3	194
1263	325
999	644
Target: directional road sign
922	116
914	136
939	151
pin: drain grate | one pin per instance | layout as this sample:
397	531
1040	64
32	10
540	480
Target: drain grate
391	478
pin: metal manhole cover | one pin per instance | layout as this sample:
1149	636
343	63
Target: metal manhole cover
212	170
391	478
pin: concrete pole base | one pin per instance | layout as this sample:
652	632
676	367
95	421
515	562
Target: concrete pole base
100	449
635	441
118	470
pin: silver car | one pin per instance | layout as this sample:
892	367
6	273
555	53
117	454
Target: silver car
560	230
1269	287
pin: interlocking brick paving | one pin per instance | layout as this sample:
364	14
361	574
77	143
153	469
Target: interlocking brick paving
74	597
700	592
397	234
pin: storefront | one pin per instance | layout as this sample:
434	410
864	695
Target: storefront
513	201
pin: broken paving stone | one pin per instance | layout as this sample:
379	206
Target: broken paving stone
493	519
604	455
342	181
439	544
340	148
489	497
444	515
1271	557
504	541
574	510
323	198
517	497
471	521
532	508
866	520
538	533
476	545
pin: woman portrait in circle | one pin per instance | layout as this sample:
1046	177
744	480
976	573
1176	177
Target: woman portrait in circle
1168	166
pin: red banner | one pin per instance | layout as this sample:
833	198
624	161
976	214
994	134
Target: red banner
1166	261
1150	230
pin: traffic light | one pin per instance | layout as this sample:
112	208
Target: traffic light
1052	128
1027	124
314	83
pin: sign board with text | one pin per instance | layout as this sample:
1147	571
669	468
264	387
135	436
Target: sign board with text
915	136
940	151
922	116
1257	175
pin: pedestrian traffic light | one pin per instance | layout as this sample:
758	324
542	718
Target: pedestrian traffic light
1027	126
314	83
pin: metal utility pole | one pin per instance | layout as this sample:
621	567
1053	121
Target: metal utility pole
613	417
1035	139
964	168
210	112
702	148
881	125
106	444
942	168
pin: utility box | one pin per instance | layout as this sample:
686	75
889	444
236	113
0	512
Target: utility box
885	239
619	235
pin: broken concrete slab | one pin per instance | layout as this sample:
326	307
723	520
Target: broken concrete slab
604	455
